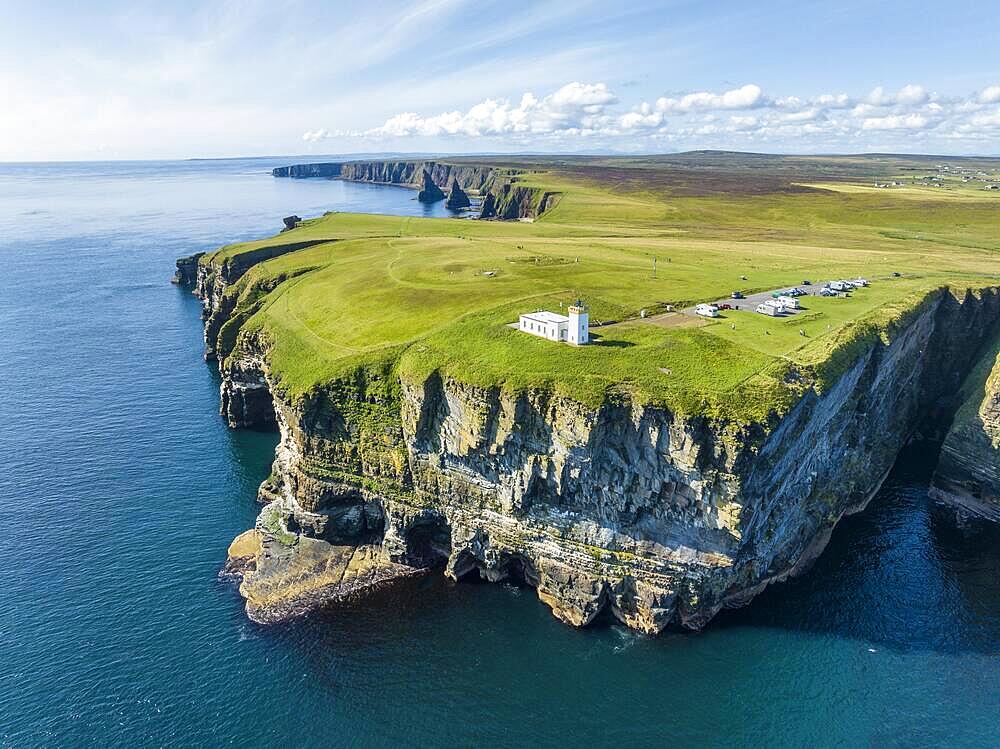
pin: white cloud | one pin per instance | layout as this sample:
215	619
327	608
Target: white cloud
745	97
743	116
314	136
986	119
576	107
834	101
911	94
990	94
895	122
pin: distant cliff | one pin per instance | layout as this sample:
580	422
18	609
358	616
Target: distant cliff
501	194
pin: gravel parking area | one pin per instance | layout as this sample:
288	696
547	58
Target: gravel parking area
752	300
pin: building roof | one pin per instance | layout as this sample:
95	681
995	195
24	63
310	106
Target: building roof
546	317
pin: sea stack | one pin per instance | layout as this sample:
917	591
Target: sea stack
457	198
488	207
429	193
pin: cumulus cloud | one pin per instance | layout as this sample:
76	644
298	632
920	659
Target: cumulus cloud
911	94
744	116
314	136
990	94
576	107
895	122
745	97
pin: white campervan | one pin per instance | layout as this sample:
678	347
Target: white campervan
707	310
770	309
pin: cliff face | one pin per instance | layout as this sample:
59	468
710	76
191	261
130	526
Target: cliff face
512	201
406	173
660	519
187	270
502	197
968	472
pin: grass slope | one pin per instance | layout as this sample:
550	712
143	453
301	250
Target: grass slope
437	294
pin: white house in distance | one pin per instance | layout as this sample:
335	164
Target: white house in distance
572	328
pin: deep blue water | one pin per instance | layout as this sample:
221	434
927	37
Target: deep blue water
120	489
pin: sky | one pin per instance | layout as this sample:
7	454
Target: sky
132	80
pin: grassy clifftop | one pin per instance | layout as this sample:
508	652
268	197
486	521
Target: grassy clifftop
421	295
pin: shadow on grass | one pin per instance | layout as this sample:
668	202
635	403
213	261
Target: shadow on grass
596	340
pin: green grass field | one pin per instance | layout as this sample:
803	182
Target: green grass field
425	295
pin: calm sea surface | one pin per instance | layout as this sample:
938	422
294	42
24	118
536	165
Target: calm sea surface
120	489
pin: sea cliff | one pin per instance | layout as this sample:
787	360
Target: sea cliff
968	472
502	197
658	517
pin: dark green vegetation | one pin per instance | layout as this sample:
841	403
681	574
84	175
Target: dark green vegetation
415	296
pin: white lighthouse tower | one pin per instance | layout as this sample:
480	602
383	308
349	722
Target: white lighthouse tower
579	321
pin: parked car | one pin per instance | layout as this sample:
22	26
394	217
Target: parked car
807	282
896	274
860	282
725	306
737	295
827	291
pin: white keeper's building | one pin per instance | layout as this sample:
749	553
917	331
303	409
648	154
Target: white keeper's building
572	328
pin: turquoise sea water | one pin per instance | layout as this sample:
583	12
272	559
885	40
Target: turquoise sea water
120	489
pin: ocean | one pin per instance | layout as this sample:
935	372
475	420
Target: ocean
121	488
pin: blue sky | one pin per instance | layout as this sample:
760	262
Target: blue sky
181	79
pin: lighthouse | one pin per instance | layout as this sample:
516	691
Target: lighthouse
579	320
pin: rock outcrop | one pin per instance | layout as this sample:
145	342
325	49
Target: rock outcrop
967	477
187	270
457	197
429	192
658	517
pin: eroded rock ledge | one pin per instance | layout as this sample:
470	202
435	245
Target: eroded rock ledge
659	518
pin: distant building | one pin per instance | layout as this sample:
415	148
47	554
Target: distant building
573	328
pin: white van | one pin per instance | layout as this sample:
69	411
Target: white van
770	309
789	302
707	310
